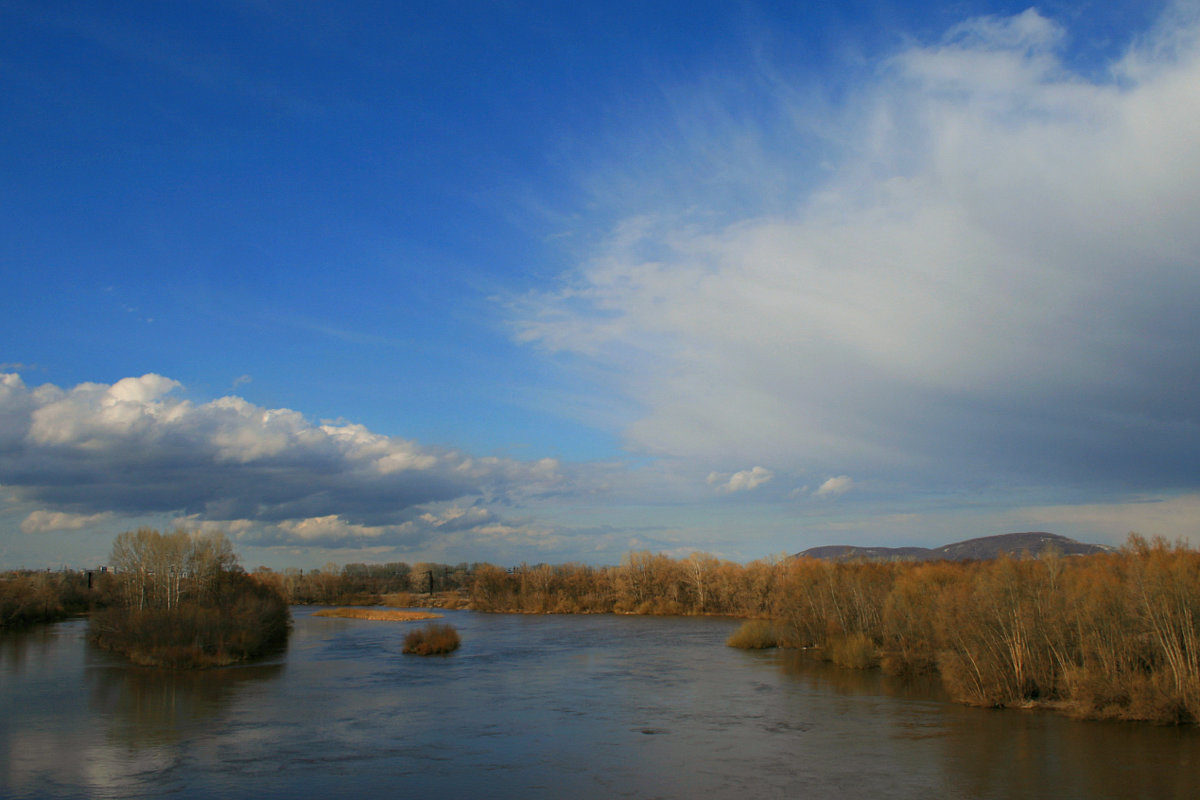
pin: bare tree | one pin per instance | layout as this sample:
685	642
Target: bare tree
156	569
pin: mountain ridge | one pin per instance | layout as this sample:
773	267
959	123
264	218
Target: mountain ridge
978	549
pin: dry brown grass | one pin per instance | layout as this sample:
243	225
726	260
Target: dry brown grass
389	615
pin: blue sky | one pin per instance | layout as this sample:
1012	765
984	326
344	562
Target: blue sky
552	282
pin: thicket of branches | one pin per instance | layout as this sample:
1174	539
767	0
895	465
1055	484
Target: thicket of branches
1110	636
644	583
29	598
181	600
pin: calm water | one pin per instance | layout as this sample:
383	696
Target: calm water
539	707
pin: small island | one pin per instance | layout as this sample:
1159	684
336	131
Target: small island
432	640
384	614
180	600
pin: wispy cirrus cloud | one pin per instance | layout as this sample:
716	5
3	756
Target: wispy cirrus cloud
995	280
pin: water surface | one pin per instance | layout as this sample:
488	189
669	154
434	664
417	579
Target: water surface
535	706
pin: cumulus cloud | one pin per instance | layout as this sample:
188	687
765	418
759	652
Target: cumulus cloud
742	481
43	521
835	486
998	274
135	448
426	524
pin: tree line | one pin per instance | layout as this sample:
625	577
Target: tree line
394	583
1113	635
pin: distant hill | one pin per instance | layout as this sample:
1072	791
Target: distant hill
985	547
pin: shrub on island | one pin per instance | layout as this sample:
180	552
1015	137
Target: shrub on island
432	640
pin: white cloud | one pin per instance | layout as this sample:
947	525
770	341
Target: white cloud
232	527
742	481
835	486
43	521
92	412
999	274
269	476
327	528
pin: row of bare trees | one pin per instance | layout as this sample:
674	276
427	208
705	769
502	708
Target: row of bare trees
365	584
644	583
1112	635
155	570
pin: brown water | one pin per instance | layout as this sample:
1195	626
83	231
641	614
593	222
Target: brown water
536	707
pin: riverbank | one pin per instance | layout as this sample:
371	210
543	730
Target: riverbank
30	598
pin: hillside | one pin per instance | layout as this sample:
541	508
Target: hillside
984	547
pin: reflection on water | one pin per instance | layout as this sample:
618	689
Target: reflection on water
154	706
82	722
1018	753
539	707
33	650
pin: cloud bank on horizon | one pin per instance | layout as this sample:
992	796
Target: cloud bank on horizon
952	297
134	448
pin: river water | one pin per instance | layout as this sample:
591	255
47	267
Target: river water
539	707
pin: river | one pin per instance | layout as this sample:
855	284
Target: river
539	707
